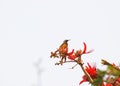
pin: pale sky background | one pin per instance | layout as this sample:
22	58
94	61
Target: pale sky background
31	29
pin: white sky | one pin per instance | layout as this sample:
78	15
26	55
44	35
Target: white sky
31	29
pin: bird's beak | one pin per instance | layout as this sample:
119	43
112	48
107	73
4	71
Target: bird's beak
68	40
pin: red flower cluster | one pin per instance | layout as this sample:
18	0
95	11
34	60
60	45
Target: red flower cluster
117	82
91	74
91	71
72	55
63	53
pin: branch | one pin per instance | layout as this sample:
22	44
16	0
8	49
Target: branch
107	63
85	72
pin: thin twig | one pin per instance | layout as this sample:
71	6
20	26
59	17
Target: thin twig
64	62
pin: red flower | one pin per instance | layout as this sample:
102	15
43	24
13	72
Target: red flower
84	79
71	55
85	49
107	84
91	71
117	82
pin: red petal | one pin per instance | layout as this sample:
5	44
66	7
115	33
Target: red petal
89	66
70	53
72	57
84	79
85	48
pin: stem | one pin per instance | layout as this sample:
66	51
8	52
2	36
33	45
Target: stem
70	61
79	61
63	62
85	72
107	63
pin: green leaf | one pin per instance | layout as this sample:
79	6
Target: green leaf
101	73
113	71
97	81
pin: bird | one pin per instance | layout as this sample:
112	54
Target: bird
64	44
63	49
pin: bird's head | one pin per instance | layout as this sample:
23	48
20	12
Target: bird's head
66	40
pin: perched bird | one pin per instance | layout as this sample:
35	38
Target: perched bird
61	52
63	49
64	45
